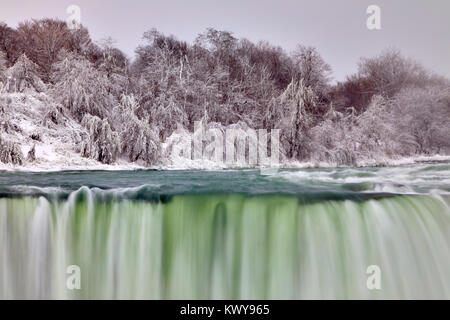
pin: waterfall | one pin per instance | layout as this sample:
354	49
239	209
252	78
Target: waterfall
223	246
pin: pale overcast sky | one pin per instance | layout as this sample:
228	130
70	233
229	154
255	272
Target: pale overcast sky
419	28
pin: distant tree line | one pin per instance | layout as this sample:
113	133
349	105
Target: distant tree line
392	107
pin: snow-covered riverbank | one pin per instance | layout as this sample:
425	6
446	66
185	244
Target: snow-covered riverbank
68	162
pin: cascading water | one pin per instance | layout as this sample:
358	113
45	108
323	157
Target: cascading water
297	234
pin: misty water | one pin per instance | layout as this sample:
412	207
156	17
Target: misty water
230	234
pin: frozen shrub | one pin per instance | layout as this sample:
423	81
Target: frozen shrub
6	125
36	137
53	117
10	152
23	75
31	156
351	139
101	143
167	116
138	142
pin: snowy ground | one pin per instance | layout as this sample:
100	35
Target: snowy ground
64	162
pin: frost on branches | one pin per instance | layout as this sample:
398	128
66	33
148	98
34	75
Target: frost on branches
66	100
10	152
101	143
80	87
138	142
23	75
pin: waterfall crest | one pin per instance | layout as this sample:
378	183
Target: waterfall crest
224	246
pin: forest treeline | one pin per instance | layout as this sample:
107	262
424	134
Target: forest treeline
391	107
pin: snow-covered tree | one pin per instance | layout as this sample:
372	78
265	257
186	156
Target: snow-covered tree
112	61
80	87
352	139
101	144
114	64
389	72
298	102
312	69
374	131
422	118
138	142
42	40
2	70
165	82
23	75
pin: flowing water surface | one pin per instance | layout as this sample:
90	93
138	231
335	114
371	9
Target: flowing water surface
231	234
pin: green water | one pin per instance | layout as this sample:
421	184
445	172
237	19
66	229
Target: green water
295	234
